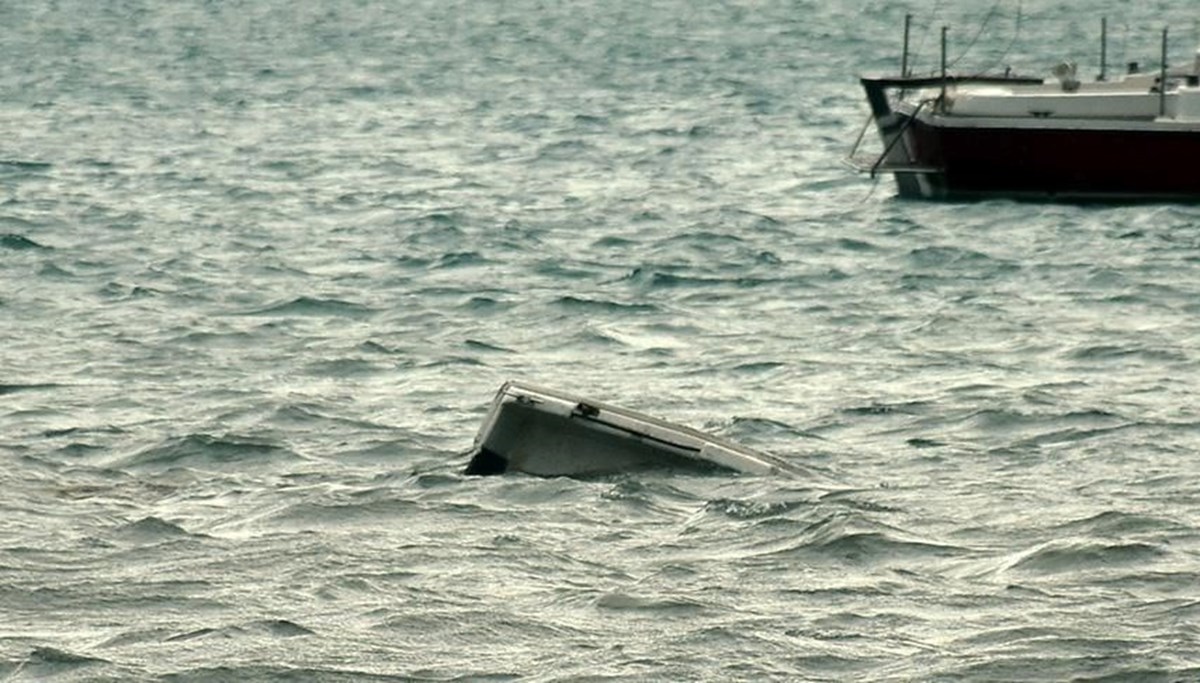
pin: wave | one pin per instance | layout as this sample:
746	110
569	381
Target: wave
152	529
856	245
205	450
812	532
53	271
17	167
1118	524
1113	352
661	280
21	388
290	674
1076	555
316	306
485	347
564	150
343	368
47	663
759	367
1074	425
273	628
702	241
236	339
852	499
881	408
592	121
621	601
575	303
460	259
328	513
51	655
942	257
876	546
20	243
765	429
753	509
557	270
1106	664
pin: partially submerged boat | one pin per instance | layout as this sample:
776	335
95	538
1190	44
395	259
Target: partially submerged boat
947	136
551	433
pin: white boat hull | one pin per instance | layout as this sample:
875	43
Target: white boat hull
550	433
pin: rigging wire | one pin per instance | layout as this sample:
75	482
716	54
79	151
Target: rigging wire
1013	41
993	12
914	54
982	27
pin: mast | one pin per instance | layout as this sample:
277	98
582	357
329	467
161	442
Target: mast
1162	77
904	55
1103	49
942	100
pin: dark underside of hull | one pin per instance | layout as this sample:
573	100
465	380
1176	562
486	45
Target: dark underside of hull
1068	164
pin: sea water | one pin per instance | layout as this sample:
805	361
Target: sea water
263	265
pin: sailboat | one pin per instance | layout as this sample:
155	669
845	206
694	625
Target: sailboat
1135	136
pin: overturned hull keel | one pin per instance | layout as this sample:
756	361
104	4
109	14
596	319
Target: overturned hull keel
550	433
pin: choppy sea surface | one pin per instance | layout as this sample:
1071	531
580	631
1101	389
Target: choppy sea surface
263	265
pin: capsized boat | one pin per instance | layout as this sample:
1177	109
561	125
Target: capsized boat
551	433
946	136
